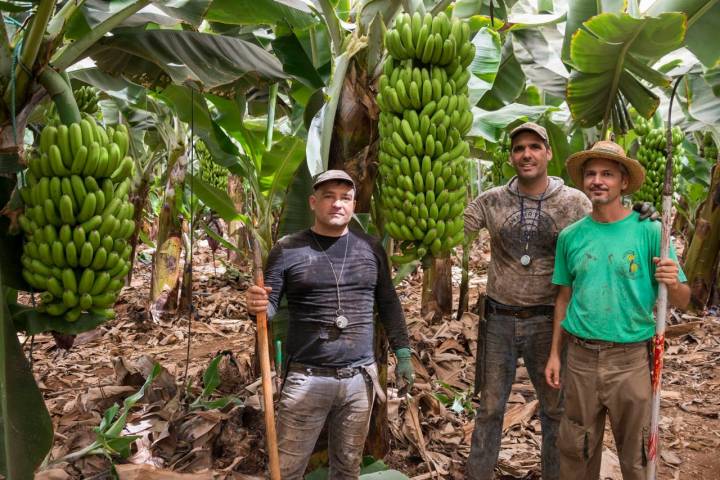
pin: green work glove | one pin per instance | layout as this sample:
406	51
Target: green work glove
404	369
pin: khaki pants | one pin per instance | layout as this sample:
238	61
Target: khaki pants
614	381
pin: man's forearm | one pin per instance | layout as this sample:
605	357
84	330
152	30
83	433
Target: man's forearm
679	295
561	302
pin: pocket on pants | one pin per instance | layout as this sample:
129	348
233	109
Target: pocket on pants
295	380
572	440
644	446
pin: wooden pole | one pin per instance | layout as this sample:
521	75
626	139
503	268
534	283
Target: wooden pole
659	339
265	373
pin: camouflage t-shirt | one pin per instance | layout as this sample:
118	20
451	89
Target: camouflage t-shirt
519	225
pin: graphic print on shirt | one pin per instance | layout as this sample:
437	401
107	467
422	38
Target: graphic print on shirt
538	230
628	266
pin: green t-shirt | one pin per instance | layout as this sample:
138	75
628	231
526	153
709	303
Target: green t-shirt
610	269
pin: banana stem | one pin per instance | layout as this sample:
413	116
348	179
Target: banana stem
61	94
31	47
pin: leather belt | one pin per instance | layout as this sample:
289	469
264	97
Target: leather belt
340	372
602	344
518	312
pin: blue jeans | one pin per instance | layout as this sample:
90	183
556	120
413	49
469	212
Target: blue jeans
305	402
506	339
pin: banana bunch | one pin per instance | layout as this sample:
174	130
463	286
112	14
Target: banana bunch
430	40
211	173
77	218
710	150
652	155
499	155
424	117
86	99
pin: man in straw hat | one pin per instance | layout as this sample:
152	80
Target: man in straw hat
523	219
607	267
332	278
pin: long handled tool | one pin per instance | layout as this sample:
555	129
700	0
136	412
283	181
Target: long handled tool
266	374
662	302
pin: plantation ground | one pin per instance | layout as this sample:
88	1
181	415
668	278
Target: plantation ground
429	431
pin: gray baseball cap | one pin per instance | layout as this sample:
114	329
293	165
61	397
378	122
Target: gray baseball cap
530	127
328	175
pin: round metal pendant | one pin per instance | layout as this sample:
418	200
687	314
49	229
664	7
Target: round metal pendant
341	321
525	260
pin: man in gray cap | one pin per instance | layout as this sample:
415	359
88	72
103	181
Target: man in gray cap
523	218
332	278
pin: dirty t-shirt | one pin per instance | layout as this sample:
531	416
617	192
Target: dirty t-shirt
298	269
610	269
500	210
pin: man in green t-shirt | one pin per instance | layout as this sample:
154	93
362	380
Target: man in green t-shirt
607	267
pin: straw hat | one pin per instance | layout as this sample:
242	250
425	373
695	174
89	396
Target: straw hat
610	151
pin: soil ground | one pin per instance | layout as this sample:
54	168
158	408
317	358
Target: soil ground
429	431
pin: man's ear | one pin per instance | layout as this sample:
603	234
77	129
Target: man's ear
311	201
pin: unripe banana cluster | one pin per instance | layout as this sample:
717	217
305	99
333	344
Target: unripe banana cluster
77	218
710	150
425	114
499	154
86	99
652	154
211	173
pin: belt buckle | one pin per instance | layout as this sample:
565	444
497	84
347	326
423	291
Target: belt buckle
345	372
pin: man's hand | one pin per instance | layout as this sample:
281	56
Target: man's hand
646	210
552	370
666	272
256	299
404	369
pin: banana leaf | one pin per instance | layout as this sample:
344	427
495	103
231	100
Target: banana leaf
295	60
191	107
217	200
470	8
537	53
26	432
280	164
296	214
512	82
485	65
703	20
370	8
699	101
610	55
155	58
74	51
491	124
579	11
269	12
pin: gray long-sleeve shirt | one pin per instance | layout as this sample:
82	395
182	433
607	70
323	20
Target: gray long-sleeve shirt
298	269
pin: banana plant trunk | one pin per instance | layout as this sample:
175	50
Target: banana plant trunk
436	299
701	259
138	198
236	229
165	279
354	146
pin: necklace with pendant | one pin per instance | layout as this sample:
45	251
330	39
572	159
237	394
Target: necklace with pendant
526	259
341	321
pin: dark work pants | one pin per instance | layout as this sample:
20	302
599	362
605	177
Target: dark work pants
507	338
